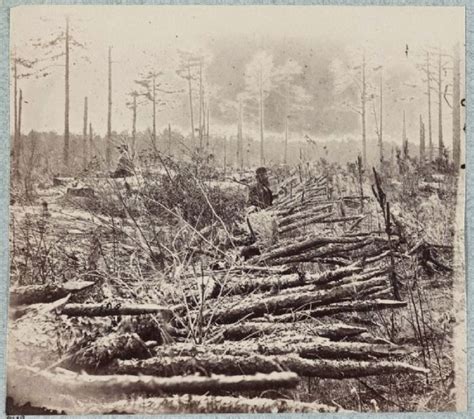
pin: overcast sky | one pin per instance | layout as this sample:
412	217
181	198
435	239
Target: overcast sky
144	36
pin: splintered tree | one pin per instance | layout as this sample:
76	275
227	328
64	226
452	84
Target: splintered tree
259	74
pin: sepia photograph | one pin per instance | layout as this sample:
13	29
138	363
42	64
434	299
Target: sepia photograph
236	209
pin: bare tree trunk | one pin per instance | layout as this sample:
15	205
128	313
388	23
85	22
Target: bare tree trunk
91	141
154	115
191	102
108	146
66	102
225	155
208	120
381	122
404	138
169	139
430	133
240	147
134	125
363	103
440	109
20	143
456	109
262	156
84	135
422	141
287	116
201	108
16	152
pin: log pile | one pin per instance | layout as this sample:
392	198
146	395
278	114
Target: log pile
265	325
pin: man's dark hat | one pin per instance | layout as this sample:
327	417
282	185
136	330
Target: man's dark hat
261	170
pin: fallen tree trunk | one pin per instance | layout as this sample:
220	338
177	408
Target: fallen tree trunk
106	348
208	405
34	294
248	285
83	385
226	364
363	276
298	216
342	307
305	222
308	347
325	251
283	303
255	329
301	246
113	309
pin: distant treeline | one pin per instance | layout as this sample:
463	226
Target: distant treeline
43	151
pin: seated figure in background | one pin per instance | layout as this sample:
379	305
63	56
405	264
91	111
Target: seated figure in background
260	194
125	166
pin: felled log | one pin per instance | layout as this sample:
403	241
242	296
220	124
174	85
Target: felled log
333	275
346	281
307	347
226	364
34	294
360	277
284	303
118	308
106	348
305	222
303	245
258	270
251	284
207	405
344	369
303	214
342	307
84	385
245	330
328	250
